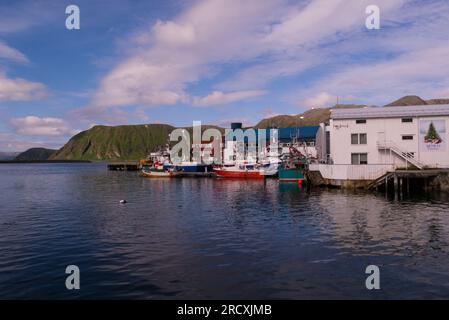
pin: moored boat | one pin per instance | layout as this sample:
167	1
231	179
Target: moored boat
193	169
293	167
159	171
292	174
239	171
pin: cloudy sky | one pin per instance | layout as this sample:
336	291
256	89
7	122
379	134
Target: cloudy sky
175	61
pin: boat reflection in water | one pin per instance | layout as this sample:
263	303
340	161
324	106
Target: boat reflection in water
212	238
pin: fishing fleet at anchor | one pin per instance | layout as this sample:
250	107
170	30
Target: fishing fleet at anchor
288	163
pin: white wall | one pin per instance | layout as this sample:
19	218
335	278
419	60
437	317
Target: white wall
391	129
356	172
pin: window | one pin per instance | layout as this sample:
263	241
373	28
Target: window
360	121
354	158
362	138
407	120
359	138
359	158
363	158
407	137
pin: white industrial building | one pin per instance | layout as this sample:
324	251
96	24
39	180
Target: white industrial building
366	143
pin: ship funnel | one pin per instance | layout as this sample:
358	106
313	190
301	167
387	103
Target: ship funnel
236	125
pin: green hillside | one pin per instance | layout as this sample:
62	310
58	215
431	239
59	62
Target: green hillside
312	117
129	142
408	101
35	154
135	142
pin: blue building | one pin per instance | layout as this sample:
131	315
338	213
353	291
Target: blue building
286	135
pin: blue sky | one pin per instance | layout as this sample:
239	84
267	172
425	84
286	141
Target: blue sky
217	61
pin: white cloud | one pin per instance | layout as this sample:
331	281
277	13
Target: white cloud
218	97
263	41
423	72
13	143
175	34
20	89
185	50
6	52
36	126
322	99
175	53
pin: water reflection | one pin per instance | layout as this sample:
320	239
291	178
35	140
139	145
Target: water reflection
211	238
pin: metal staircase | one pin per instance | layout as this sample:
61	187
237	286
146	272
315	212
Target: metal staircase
381	180
409	157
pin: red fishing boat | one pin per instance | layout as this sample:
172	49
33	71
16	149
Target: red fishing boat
240	171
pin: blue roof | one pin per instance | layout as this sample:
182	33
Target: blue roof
304	133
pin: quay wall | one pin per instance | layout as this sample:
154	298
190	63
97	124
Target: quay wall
346	176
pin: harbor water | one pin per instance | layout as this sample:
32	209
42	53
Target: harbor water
205	238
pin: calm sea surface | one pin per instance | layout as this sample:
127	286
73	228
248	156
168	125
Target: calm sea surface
212	239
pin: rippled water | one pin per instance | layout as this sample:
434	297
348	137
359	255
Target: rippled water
210	238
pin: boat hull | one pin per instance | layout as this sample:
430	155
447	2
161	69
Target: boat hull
238	174
291	175
193	170
158	173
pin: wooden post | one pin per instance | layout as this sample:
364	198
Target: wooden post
386	185
395	187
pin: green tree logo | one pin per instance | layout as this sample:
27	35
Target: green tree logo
432	135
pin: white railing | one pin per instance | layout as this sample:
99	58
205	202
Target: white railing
352	172
407	156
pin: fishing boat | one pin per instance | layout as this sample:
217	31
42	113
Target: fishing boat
159	171
269	170
193	169
291	173
239	171
158	166
293	167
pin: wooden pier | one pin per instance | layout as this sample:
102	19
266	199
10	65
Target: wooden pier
401	182
124	166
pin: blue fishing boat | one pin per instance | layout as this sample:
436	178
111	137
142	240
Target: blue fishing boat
193	169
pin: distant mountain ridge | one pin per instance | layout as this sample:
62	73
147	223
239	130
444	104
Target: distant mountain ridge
35	154
8	156
415	101
315	116
134	142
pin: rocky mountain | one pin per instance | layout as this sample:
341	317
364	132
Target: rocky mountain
407	101
312	117
438	101
416	101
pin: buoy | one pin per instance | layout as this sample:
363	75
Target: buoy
122	201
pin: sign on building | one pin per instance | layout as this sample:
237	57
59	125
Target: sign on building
432	135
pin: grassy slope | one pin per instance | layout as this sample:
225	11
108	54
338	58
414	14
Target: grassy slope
311	117
114	143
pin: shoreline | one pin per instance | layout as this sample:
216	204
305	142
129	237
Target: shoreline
43	161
